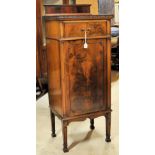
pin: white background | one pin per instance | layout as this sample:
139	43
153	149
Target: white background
17	77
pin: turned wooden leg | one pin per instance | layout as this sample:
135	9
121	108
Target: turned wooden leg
92	124
64	133
108	127
52	124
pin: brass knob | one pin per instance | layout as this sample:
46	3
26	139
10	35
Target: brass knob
82	29
88	29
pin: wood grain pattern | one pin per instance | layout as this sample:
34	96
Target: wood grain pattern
54	76
73	29
41	62
79	78
65	1
78	17
38	38
55	9
84	68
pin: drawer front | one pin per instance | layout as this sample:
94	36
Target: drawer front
74	29
77	29
96	29
85	72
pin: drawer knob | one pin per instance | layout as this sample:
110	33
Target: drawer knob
82	30
88	29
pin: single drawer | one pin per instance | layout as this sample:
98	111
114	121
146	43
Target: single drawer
77	29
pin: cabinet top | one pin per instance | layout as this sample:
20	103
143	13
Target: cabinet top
67	5
77	17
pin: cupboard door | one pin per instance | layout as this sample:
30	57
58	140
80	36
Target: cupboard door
85	71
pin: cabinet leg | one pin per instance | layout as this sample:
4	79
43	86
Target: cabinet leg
52	124
64	133
108	127
92	124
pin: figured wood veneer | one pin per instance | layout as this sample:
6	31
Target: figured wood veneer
55	9
79	78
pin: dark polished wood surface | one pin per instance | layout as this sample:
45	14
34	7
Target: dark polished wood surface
78	17
38	37
73	10
86	80
41	62
50	9
79	78
41	49
64	2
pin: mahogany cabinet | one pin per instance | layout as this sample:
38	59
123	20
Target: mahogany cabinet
79	77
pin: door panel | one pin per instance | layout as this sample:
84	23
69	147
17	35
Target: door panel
85	76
